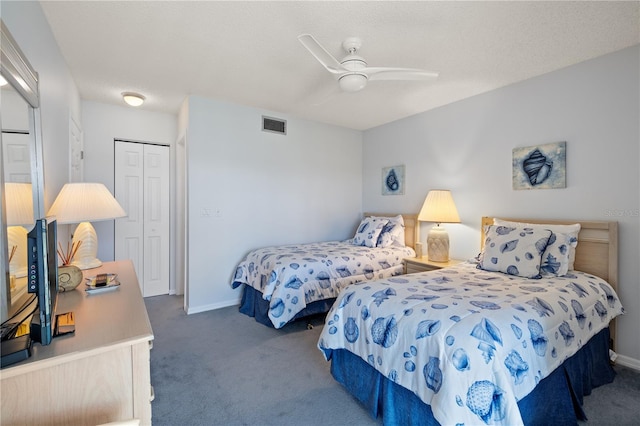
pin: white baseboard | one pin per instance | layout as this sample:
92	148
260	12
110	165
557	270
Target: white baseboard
211	307
629	362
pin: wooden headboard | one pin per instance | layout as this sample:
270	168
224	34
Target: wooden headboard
411	227
596	253
597	250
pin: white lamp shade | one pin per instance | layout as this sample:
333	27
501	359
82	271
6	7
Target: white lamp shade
439	207
80	202
19	202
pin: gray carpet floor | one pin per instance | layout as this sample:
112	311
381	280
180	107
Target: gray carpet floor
223	368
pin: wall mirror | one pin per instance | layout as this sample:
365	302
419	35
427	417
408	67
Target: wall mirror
22	177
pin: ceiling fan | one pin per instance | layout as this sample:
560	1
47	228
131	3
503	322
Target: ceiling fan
352	71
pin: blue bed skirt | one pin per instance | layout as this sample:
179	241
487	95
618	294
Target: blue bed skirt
254	305
556	400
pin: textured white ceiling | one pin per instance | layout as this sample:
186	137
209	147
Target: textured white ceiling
248	52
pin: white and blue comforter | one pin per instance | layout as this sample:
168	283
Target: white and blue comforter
469	343
292	276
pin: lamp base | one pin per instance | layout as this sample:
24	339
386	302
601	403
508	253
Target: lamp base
17	237
85	257
438	244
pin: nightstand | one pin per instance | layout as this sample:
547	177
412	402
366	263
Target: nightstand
422	264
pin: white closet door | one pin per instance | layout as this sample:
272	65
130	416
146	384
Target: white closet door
156	220
129	187
142	188
17	157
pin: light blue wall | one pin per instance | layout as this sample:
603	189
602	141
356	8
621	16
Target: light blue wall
467	147
269	189
59	97
101	125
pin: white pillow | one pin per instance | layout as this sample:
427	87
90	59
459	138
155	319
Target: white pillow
565	235
392	233
514	251
369	231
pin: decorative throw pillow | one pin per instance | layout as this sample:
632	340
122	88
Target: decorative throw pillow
560	253
555	259
514	251
369	231
392	233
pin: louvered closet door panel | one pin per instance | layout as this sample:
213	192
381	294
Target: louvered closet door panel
129	190
156	220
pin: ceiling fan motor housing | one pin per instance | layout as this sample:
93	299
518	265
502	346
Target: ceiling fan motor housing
354	80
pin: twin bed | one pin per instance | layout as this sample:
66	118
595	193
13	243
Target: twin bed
465	345
478	343
284	283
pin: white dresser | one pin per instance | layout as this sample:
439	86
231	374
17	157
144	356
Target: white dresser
100	374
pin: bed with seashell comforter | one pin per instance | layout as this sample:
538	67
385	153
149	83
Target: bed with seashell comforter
284	283
517	336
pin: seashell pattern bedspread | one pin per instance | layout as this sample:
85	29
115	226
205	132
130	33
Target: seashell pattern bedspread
292	276
468	342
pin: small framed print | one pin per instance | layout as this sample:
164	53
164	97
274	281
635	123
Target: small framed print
540	167
393	180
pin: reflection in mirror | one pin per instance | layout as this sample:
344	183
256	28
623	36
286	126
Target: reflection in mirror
19	208
16	166
17	177
21	180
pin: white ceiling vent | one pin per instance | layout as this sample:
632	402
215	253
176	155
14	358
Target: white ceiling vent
274	125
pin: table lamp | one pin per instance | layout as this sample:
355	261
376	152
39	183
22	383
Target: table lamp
438	207
19	202
83	203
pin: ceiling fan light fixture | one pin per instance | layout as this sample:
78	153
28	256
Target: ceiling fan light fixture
133	99
352	72
353	82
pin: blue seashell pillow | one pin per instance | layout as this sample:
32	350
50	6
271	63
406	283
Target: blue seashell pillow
555	259
393	232
560	253
514	250
369	231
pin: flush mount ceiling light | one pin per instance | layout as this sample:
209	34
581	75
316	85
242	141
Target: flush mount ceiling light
133	99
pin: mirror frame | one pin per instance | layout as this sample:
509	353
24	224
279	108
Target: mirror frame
19	73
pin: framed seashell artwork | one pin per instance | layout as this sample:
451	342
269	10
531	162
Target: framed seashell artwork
393	180
540	167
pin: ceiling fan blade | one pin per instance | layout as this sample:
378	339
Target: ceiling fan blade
321	54
382	73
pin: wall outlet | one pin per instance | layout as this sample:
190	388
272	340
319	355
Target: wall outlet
207	212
